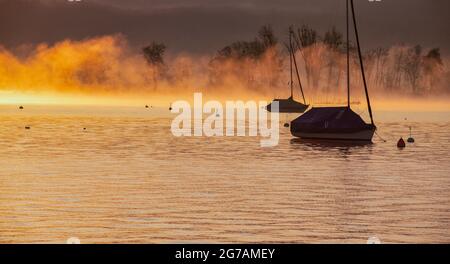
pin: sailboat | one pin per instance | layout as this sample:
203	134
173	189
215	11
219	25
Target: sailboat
338	123
290	105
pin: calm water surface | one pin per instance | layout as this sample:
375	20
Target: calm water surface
126	179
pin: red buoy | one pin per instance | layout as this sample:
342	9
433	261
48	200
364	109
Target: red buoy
401	143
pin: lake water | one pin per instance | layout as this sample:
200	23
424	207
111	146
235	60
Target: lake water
126	179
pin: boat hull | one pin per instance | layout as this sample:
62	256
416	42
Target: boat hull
288	106
363	135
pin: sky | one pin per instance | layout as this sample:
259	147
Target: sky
204	26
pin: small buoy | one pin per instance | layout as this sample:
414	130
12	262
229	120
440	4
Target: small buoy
27	127
146	106
20	107
401	143
84	128
170	108
286	124
410	139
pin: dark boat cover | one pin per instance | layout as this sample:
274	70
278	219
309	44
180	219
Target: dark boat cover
288	106
329	120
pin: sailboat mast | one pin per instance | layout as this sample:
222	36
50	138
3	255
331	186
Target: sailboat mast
290	60
361	63
296	71
348	59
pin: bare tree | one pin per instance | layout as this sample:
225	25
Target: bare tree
250	49
380	57
307	41
267	37
154	55
334	41
433	67
263	46
412	66
435	55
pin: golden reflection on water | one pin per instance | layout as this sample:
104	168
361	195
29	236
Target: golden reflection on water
126	179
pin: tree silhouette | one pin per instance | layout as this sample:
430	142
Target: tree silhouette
435	54
433	67
306	36
267	36
333	39
154	53
307	41
412	66
250	49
